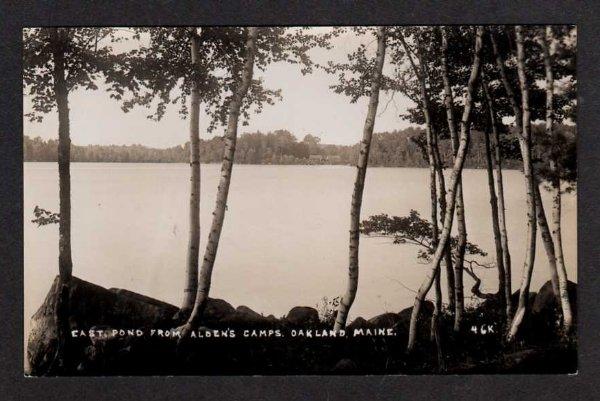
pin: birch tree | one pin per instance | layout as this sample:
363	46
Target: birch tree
460	206
225	179
172	66
546	40
496	157
529	62
260	47
541	219
199	69
492	130
191	283
451	197
372	73
435	171
525	144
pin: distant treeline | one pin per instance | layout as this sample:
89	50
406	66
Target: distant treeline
388	149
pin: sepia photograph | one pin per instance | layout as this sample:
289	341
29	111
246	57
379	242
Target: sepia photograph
300	200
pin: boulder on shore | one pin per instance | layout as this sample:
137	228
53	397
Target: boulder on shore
91	306
243	316
302	316
358	323
545	300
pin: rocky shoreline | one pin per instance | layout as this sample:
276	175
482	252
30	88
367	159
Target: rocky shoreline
119	332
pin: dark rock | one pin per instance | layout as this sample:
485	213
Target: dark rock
140	298
424	323
515	299
386	320
90	305
545	300
302	316
244	310
493	306
345	366
546	313
244	317
358	323
426	311
217	309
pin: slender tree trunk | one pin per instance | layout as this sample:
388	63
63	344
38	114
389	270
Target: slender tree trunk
191	284
497	156
65	263
61	92
437	306
359	183
494	199
434	240
224	182
548	245
460	205
434	170
556	195
546	239
525	144
454	179
439	167
434	334
562	271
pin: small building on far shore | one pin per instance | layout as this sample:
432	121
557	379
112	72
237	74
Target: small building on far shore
316	159
324	159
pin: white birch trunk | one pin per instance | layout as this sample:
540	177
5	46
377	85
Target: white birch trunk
497	161
191	283
435	170
460	205
546	240
212	245
525	144
562	271
556	195
493	197
359	183
548	244
451	199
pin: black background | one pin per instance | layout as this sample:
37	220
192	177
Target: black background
14	15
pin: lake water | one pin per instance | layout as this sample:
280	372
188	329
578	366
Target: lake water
285	238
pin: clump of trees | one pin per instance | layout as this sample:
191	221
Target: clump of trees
398	148
462	79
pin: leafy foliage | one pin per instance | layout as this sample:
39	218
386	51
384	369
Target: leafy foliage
411	229
562	148
88	53
163	74
415	230
44	217
327	309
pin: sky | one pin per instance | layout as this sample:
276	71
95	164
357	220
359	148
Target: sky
308	106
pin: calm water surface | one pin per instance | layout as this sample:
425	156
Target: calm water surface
285	238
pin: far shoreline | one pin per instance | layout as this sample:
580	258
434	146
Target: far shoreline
261	164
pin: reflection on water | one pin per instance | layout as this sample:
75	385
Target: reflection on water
285	237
